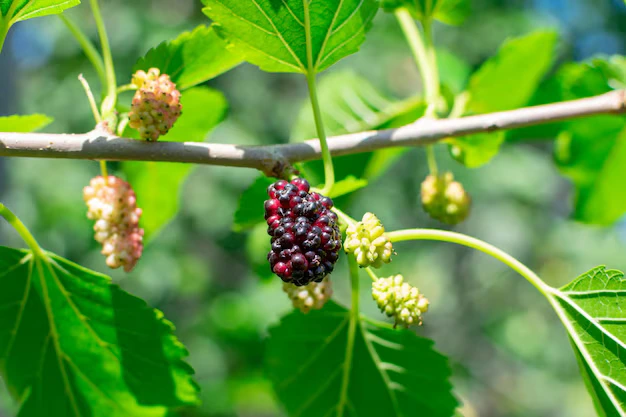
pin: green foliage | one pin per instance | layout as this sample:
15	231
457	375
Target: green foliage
452	12
13	11
329	362
72	344
157	184
250	208
351	104
592	310
591	151
31	123
526	60
192	58
286	36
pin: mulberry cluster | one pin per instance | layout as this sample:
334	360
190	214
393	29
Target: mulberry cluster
367	240
445	199
400	300
156	105
113	205
312	296
305	236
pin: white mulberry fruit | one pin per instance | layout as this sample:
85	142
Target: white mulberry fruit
156	105
367	240
113	205
312	296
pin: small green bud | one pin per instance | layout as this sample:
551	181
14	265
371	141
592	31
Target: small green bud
400	300
445	199
367	241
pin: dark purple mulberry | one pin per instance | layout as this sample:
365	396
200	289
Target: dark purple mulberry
305	236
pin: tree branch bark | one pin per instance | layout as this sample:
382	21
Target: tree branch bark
273	159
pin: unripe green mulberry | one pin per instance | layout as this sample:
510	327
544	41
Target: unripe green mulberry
400	300
445	199
309	297
367	240
156	105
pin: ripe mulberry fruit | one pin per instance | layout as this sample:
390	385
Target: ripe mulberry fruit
445	199
113	205
367	240
400	300
156	105
305	236
312	296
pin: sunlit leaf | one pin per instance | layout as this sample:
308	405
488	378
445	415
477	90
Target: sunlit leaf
192	58
158	184
275	35
526	60
347	186
592	308
330	363
72	344
24	124
13	11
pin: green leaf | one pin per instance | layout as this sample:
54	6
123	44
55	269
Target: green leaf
158	184
476	150
24	124
250	209
347	186
275	35
593	155
329	363
351	104
591	151
72	344
592	308
13	11
452	12
192	58
526	60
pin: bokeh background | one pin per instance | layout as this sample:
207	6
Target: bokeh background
510	355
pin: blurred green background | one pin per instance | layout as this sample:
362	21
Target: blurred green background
510	355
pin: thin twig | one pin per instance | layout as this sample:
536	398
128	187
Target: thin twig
273	159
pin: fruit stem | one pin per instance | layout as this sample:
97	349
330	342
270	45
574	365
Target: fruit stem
90	97
126	87
464	240
90	50
371	273
344	217
329	170
422	46
108	105
21	229
105	172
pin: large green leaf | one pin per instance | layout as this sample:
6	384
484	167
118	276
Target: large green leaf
24	124
452	12
13	11
192	58
526	60
72	344
593	310
591	151
280	36
158	184
330	363
351	104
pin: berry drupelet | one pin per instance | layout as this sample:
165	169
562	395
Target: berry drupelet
305	236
